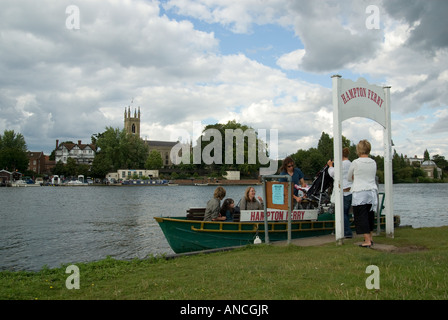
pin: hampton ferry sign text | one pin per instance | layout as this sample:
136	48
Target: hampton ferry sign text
360	92
277	215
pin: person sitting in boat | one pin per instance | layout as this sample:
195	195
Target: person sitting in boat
298	178
249	202
214	205
227	209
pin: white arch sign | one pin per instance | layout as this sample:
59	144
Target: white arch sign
360	99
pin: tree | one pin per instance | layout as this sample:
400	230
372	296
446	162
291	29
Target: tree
325	146
71	168
13	151
101	166
244	148
118	150
426	155
154	161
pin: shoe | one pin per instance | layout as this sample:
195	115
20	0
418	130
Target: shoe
365	246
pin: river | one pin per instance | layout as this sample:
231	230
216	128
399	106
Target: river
51	226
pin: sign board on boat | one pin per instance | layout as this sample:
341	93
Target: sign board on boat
277	195
277	215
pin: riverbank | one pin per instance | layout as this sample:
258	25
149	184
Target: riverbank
415	270
215	182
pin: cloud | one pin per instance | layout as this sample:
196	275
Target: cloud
441	124
167	58
292	60
428	19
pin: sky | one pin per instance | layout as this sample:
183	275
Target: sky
69	69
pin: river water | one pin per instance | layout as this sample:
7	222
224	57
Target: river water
50	226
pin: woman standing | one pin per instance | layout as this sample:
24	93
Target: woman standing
288	168
364	190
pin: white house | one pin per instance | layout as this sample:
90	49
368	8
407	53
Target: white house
82	153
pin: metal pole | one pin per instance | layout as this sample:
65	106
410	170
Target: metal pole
266	232
289	208
388	183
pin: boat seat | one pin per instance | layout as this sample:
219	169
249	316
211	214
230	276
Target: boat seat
198	214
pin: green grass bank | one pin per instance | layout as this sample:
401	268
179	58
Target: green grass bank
417	269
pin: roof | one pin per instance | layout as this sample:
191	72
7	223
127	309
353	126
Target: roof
81	146
155	143
429	163
35	154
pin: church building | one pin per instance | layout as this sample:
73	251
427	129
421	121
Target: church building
132	126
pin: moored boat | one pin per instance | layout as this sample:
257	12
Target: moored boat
191	233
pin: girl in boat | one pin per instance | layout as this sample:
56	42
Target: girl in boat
227	209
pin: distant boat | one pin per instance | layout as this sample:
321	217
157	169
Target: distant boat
201	184
76	183
19	183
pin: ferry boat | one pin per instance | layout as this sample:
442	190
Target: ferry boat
190	233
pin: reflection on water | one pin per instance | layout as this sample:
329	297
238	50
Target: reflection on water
58	225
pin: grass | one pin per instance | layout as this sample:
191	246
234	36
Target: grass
416	271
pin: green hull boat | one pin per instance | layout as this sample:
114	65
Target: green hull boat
184	235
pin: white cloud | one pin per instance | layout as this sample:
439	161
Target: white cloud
292	60
65	84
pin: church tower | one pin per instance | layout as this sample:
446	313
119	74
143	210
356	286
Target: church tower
132	124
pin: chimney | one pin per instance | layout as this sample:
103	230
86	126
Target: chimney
57	143
79	142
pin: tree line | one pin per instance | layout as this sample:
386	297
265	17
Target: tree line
119	150
311	161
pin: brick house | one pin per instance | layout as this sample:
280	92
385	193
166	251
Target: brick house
36	162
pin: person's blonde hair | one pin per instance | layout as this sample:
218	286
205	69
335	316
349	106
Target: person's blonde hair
220	193
363	147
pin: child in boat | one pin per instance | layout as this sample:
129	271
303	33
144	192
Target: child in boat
227	210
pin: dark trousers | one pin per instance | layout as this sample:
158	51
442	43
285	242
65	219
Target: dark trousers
347	205
364	218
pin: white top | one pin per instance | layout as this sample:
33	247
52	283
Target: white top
345	183
362	172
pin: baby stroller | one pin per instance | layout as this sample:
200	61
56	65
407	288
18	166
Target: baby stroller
319	193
